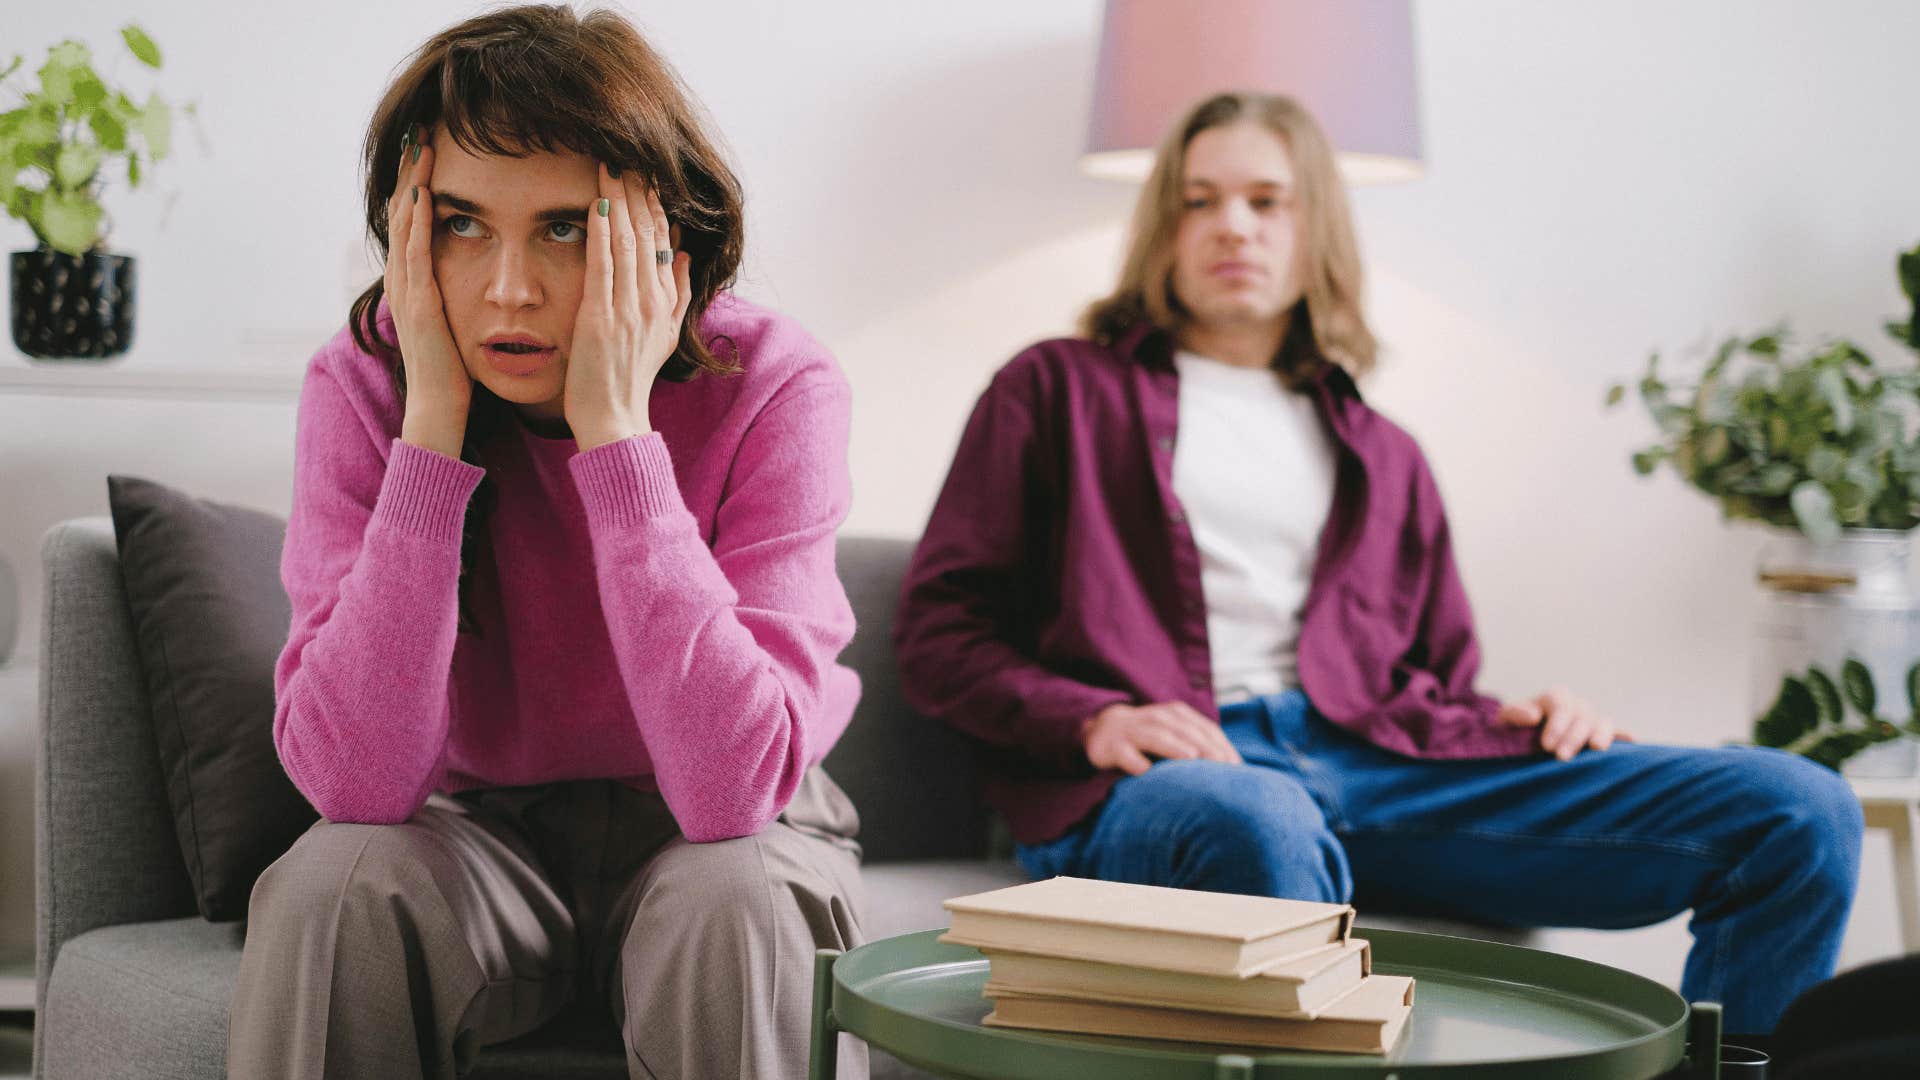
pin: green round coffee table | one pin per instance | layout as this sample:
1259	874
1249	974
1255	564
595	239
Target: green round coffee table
1481	1009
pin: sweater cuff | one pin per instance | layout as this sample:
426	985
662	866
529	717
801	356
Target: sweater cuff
426	493
628	482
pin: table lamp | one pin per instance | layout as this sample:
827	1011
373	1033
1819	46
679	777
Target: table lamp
1350	62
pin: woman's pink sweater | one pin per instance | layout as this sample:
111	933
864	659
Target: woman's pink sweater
662	610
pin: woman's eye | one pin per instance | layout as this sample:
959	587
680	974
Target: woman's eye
568	232
1197	204
458	223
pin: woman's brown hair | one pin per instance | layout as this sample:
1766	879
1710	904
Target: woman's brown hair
1330	277
540	78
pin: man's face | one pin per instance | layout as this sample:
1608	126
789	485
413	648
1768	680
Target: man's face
1237	251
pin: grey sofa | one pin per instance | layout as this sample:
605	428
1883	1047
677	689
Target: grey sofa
133	983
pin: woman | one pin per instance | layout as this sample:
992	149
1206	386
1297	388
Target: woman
565	615
1201	603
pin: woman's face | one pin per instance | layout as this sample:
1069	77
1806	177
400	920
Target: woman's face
1236	253
509	254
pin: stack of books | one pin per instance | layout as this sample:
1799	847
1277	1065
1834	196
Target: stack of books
1103	958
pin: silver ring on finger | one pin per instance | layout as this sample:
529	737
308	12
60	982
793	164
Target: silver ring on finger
662	257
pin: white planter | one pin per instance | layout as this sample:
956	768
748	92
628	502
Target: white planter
1823	604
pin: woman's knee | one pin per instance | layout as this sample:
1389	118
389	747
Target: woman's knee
776	885
336	868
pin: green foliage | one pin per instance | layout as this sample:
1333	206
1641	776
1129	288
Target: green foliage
57	140
1809	718
1814	438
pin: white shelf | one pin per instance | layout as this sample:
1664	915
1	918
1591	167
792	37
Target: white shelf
109	378
1897	789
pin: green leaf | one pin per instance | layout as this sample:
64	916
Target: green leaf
1715	445
133	170
1645	461
1813	511
1913	690
70	220
88	91
1833	388
1792	715
1777	478
1909	269
1859	686
76	164
1826	464
70	54
109	130
1826	698
13	65
1616	394
142	45
40	127
56	84
1765	345
156	127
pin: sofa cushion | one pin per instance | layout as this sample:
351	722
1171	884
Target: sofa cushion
165	987
911	778
210	617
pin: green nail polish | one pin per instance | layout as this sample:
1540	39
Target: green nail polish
406	140
613	171
416	153
416	193
604	205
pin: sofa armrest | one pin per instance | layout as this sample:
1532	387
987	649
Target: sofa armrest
106	851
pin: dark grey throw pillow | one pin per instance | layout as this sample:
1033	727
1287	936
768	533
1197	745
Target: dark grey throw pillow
210	617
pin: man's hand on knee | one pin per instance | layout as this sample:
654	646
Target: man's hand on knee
1129	737
1567	724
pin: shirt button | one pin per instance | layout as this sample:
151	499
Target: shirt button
1166	444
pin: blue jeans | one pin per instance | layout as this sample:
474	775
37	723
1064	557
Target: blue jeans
1762	845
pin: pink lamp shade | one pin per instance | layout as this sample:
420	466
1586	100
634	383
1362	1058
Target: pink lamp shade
1350	62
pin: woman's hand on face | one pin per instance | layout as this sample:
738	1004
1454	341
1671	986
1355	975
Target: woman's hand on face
439	390
630	313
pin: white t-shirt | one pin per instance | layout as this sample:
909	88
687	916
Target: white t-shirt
1253	469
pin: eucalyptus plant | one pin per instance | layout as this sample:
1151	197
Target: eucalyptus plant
1809	715
58	139
1816	438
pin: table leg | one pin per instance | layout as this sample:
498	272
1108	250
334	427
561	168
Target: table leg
823	1056
1902	821
1703	1042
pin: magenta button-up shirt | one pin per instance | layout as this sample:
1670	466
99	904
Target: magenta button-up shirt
1058	575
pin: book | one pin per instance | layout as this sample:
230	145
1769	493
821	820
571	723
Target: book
1368	1020
1298	989
1148	926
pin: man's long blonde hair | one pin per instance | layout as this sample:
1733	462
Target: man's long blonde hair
1330	272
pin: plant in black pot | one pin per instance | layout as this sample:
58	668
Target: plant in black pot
61	145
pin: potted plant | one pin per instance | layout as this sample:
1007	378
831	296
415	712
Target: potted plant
60	145
1822	443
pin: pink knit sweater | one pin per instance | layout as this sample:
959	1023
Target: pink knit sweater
663	610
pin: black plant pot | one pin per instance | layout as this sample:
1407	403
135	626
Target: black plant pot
72	307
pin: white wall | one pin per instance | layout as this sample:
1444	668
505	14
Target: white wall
1603	179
